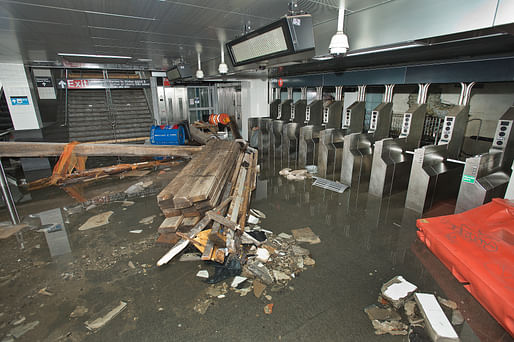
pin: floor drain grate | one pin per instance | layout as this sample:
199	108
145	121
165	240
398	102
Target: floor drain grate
329	185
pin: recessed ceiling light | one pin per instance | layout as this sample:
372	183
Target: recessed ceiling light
91	56
144	59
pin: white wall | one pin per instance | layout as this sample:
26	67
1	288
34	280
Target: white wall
14	81
254	101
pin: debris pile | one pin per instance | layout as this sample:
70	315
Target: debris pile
207	203
295	175
403	311
268	265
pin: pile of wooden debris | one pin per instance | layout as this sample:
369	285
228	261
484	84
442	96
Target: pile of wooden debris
207	202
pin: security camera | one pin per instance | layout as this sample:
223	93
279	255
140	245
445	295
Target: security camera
338	44
199	74
223	68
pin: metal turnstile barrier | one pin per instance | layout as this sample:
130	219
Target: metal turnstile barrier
433	177
358	147
284	115
332	141
486	176
308	139
390	168
291	131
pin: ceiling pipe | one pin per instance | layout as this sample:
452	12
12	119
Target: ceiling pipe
199	72
223	67
339	42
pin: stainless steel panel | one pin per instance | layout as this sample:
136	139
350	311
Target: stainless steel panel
390	168
290	139
265	138
483	179
432	178
332	115
504	137
357	159
330	153
254	136
308	145
454	127
380	122
412	125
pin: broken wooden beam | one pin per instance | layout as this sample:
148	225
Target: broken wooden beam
43	149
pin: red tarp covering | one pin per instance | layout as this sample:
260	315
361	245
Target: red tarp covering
477	246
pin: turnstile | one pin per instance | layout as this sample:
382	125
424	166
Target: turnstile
358	147
433	177
486	176
291	130
273	109
391	164
284	114
454	127
309	134
332	141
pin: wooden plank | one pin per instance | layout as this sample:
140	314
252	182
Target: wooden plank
247	192
200	136
167	239
170	224
7	231
222	220
171	212
42	149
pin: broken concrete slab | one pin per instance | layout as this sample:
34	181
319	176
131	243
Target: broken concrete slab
447	302
397	290
79	311
104	319
21	330
96	221
305	235
297	250
147	220
258	288
259	270
457	318
375	312
389	327
436	323
280	276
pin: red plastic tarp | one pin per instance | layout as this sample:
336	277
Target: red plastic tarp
477	246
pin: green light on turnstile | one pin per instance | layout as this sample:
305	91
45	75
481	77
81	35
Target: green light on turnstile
468	179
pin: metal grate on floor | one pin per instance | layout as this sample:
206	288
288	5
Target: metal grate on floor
329	185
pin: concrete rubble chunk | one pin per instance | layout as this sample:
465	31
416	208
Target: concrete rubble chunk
261	272
457	318
297	250
203	274
262	254
305	235
307	261
147	220
436	323
447	302
397	290
96	221
279	275
258	288
375	312
389	327
285	236
103	320
21	330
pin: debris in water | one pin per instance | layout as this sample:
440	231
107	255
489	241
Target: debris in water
389	327
285	236
447	302
131	265
79	311
137	188
102	321
259	270
137	231
21	330
262	254
305	235
307	261
381	314
147	220
237	281
203	274
253	219
97	221
44	292
279	275
127	203
202	306
19	321
91	207
397	290
457	318
436	323
258	288
257	213
190	257
268	309
300	251
285	172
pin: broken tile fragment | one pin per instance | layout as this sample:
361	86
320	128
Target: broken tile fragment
305	235
397	290
103	320
96	221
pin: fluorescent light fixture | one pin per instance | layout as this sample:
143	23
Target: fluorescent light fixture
383	49
91	56
144	59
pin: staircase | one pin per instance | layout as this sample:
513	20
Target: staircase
91	115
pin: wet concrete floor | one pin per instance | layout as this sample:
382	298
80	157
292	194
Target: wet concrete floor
364	243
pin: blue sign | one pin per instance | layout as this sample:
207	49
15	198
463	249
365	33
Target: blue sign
19	101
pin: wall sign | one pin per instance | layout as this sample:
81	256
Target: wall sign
19	101
103	84
468	179
44	82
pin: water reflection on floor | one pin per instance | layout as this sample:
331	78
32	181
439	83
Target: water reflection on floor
365	242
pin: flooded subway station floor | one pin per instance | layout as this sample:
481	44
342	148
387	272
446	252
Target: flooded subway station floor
65	278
